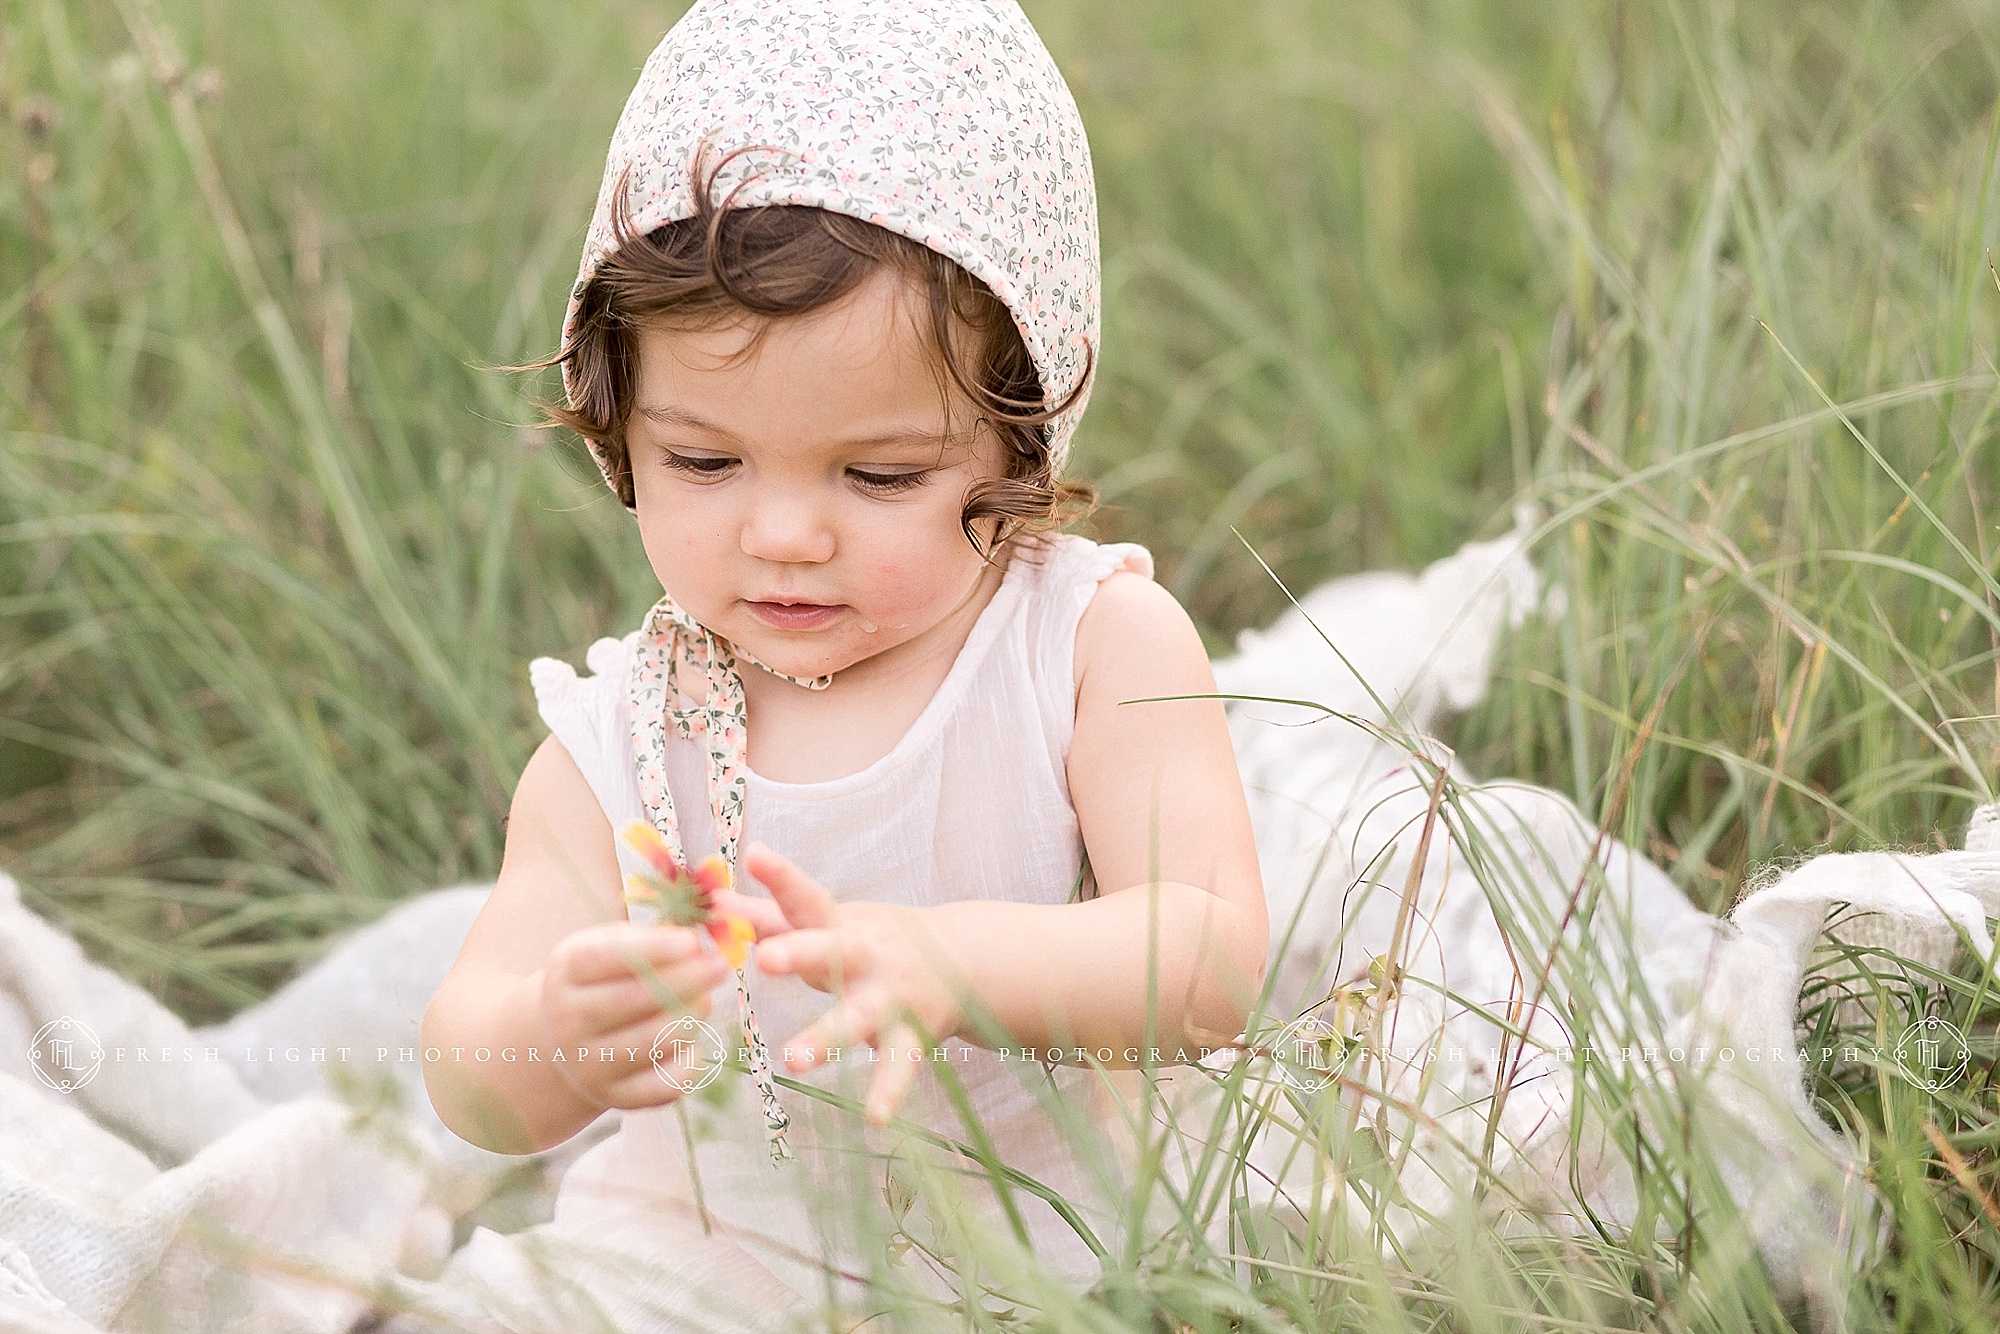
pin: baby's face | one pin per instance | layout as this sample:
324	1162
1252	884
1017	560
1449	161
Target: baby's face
802	499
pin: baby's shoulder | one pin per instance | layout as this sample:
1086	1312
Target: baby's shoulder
1071	560
1134	632
1059	577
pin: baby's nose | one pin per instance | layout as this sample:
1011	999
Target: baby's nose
788	528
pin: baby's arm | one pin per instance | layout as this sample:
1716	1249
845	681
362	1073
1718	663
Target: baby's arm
1161	807
551	962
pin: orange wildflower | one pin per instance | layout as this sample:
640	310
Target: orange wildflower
684	897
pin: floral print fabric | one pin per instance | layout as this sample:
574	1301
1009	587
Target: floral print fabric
945	121
673	651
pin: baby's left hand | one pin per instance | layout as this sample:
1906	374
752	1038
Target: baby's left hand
882	962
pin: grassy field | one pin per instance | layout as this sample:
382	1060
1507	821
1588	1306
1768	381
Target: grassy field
1710	284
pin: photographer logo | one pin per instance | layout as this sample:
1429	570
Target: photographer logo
1311	1050
688	1054
1933	1054
66	1054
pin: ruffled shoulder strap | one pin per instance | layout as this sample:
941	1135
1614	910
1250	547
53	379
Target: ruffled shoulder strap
591	716
1085	564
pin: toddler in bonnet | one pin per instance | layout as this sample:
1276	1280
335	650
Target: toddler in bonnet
832	334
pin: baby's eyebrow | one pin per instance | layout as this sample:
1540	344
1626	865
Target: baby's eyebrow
915	437
672	416
911	439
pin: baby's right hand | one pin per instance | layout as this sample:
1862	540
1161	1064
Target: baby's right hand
601	988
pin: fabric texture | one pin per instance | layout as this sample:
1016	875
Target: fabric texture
972	803
945	121
260	1174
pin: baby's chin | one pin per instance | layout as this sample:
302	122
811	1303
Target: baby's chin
816	653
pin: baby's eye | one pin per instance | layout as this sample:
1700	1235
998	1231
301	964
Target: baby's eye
888	483
699	465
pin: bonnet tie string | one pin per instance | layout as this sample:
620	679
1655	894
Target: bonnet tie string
673	651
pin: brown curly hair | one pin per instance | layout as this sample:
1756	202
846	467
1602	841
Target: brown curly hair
782	260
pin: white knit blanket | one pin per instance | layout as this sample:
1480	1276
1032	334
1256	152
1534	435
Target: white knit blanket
1605	975
284	1171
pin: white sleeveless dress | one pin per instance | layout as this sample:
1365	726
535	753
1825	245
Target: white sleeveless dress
972	803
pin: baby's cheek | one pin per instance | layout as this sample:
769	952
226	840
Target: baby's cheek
923	583
685	548
900	595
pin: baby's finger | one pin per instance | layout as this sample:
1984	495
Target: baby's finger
600	1061
619	950
802	899
638	1040
852	1021
609	1005
824	960
899	1072
642	1089
763	915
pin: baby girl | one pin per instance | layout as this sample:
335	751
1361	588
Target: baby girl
831	339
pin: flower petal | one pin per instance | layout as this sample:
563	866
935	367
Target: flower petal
732	935
645	840
713	873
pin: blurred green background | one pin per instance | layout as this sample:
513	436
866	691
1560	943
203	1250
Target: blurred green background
1708	283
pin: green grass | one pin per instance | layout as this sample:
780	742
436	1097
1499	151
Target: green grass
1709	283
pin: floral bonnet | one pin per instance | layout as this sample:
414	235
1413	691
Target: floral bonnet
945	121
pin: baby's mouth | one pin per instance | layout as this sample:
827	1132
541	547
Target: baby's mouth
795	615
